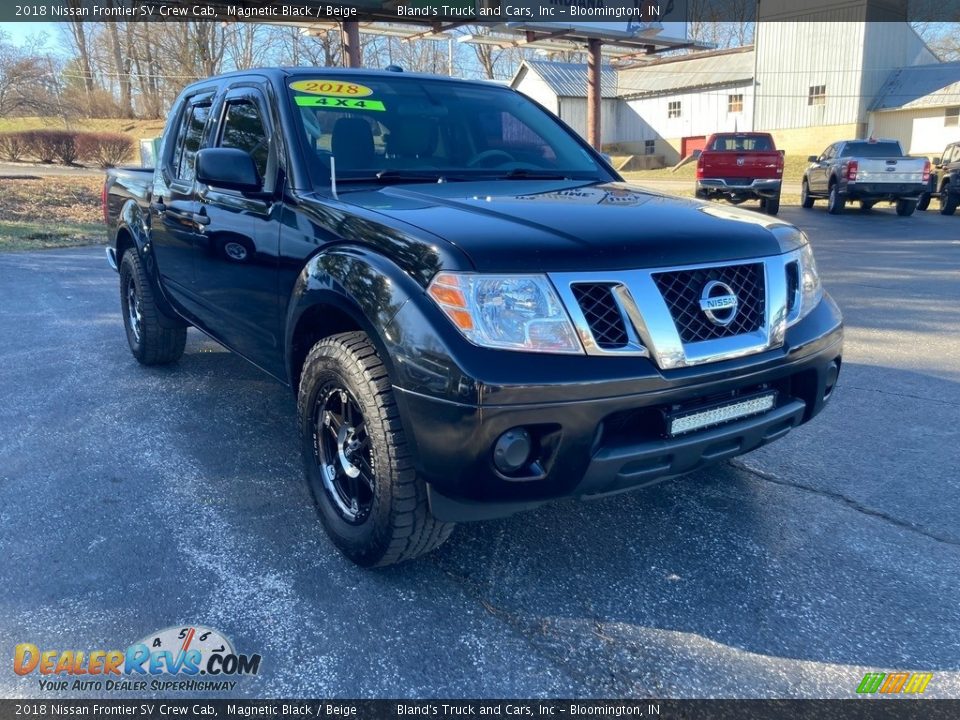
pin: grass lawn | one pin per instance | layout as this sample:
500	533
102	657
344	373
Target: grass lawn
136	129
50	212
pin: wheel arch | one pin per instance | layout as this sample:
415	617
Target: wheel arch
133	233
123	243
341	290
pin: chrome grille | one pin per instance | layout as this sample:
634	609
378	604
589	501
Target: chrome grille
603	316
681	291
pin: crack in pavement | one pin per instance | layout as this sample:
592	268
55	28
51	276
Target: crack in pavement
848	501
903	395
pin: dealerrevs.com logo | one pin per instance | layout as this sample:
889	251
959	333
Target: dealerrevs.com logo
197	658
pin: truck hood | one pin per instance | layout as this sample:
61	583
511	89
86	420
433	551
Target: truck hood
557	226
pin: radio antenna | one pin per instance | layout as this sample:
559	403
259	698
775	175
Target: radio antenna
333	177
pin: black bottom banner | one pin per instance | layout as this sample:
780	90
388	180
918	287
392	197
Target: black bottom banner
857	709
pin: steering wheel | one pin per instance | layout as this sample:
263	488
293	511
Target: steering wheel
483	157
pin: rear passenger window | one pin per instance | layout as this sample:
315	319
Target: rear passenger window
191	135
243	129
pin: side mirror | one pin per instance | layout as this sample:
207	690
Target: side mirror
228	169
812	158
936	160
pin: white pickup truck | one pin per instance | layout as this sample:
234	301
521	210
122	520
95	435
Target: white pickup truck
870	171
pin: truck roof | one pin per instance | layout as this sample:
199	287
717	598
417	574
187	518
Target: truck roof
280	73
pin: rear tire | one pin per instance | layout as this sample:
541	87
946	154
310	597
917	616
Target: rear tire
905	208
835	202
866	206
154	337
356	459
771	205
924	202
948	201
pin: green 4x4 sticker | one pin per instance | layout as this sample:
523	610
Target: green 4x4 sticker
336	102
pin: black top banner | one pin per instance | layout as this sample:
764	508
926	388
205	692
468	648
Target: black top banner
629	17
200	709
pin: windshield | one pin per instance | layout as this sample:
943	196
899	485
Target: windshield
741	142
408	128
872	150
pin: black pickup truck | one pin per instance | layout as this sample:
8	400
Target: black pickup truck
477	314
944	181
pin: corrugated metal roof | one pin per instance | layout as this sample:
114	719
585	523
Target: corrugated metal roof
570	79
696	71
920	86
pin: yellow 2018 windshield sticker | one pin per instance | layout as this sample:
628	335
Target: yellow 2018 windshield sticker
331	88
338	103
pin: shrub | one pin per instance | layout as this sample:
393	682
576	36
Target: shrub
105	149
50	145
12	146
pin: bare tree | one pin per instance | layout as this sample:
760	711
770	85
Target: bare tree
500	62
121	67
943	39
723	23
321	49
26	78
78	35
250	44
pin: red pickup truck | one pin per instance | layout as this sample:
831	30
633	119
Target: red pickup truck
741	166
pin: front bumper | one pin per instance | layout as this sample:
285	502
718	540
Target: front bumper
595	437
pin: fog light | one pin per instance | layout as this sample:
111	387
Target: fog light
512	450
833	372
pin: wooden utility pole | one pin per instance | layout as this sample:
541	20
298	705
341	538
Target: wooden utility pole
350	33
594	94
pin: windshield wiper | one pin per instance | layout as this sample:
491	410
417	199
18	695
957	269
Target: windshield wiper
387	177
526	174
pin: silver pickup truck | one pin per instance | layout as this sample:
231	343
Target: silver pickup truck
870	171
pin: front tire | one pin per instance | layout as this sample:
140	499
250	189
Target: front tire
905	208
806	201
154	337
835	202
370	500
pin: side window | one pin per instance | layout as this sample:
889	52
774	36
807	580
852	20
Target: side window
185	156
243	129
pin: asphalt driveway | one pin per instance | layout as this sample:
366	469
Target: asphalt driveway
133	499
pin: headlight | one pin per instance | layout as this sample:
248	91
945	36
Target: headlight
803	284
510	312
